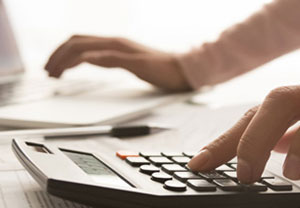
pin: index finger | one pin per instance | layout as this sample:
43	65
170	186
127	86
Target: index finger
274	117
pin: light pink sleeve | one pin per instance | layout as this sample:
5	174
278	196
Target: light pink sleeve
269	33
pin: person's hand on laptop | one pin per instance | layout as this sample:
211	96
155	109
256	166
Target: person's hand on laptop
261	130
158	68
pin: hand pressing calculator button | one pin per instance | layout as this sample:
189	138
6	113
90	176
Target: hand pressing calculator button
103	180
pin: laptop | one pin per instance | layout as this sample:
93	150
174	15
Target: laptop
25	102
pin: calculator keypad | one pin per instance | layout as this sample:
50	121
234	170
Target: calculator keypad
170	169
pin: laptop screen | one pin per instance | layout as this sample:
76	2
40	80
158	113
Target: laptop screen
10	61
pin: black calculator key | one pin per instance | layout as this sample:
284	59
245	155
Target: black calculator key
184	176
160	177
212	175
224	168
278	184
149	169
171	168
181	160
201	185
158	161
228	185
137	161
256	187
172	154
174	185
190	153
150	154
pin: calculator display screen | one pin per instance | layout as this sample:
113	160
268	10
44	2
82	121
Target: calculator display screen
99	172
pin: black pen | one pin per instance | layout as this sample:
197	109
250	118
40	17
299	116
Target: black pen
114	131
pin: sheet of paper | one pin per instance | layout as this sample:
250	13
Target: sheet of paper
18	189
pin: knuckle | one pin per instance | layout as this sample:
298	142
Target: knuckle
73	46
76	36
283	93
219	142
286	97
118	41
251	112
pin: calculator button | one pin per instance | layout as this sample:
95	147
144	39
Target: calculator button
212	175
256	187
148	169
172	154
189	153
160	177
158	161
137	161
123	154
201	185
184	176
233	161
278	184
233	166
150	154
228	185
231	174
224	168
266	175
171	168
181	160
174	185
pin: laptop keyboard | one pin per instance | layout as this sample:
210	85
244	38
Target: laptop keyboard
170	169
32	90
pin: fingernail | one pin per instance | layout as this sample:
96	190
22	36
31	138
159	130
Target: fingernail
198	162
291	168
244	172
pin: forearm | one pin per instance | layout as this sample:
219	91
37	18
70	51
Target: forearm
269	33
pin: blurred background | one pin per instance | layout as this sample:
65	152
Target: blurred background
170	25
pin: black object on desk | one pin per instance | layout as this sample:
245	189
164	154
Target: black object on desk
114	131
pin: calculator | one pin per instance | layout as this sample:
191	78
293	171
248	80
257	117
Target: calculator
153	179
